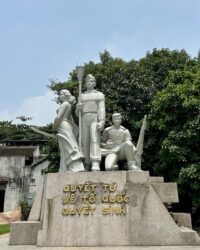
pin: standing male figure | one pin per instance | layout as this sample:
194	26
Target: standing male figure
92	107
117	145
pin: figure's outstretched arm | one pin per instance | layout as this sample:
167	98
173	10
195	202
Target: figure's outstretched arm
43	133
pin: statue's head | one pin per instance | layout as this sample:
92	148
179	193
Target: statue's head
90	81
117	119
65	95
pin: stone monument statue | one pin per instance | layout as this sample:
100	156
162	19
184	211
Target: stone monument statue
91	209
70	155
117	145
92	109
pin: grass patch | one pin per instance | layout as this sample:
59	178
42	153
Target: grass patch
4	229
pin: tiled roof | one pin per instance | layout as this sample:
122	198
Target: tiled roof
19	150
38	161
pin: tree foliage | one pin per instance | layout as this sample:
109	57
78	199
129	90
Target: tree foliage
10	131
24	118
129	86
174	124
53	156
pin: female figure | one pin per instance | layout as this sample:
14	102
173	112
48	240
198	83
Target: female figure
70	155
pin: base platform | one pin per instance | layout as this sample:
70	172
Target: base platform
93	209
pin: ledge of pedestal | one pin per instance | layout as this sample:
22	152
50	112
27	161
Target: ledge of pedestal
24	232
135	176
167	192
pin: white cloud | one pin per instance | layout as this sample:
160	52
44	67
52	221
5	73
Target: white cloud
41	108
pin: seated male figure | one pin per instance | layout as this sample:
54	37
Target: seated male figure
116	144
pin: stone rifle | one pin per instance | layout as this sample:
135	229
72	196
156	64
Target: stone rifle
80	70
140	143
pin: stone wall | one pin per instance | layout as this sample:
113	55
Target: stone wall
20	173
13	195
11	167
35	179
36	172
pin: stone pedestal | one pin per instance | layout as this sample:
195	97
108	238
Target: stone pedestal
24	232
122	208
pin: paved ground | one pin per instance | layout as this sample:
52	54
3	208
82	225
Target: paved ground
4	246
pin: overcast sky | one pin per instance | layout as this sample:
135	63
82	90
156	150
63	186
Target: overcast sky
46	39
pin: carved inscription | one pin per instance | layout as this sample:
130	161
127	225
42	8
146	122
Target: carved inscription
82	199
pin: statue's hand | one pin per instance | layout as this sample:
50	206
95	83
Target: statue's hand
134	149
79	107
109	144
100	126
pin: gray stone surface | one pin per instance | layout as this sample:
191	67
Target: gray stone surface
146	222
11	167
182	219
137	176
189	235
167	192
4	239
143	222
37	203
24	232
153	179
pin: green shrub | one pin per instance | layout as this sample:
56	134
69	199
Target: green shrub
25	210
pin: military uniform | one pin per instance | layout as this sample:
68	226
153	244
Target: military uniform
117	145
92	113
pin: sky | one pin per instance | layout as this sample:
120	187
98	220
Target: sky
46	39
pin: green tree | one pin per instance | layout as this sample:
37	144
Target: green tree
10	131
53	156
130	86
174	135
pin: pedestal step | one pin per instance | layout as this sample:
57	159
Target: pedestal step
24	232
190	235
182	219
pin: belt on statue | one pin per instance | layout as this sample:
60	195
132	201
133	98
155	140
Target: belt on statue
94	112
